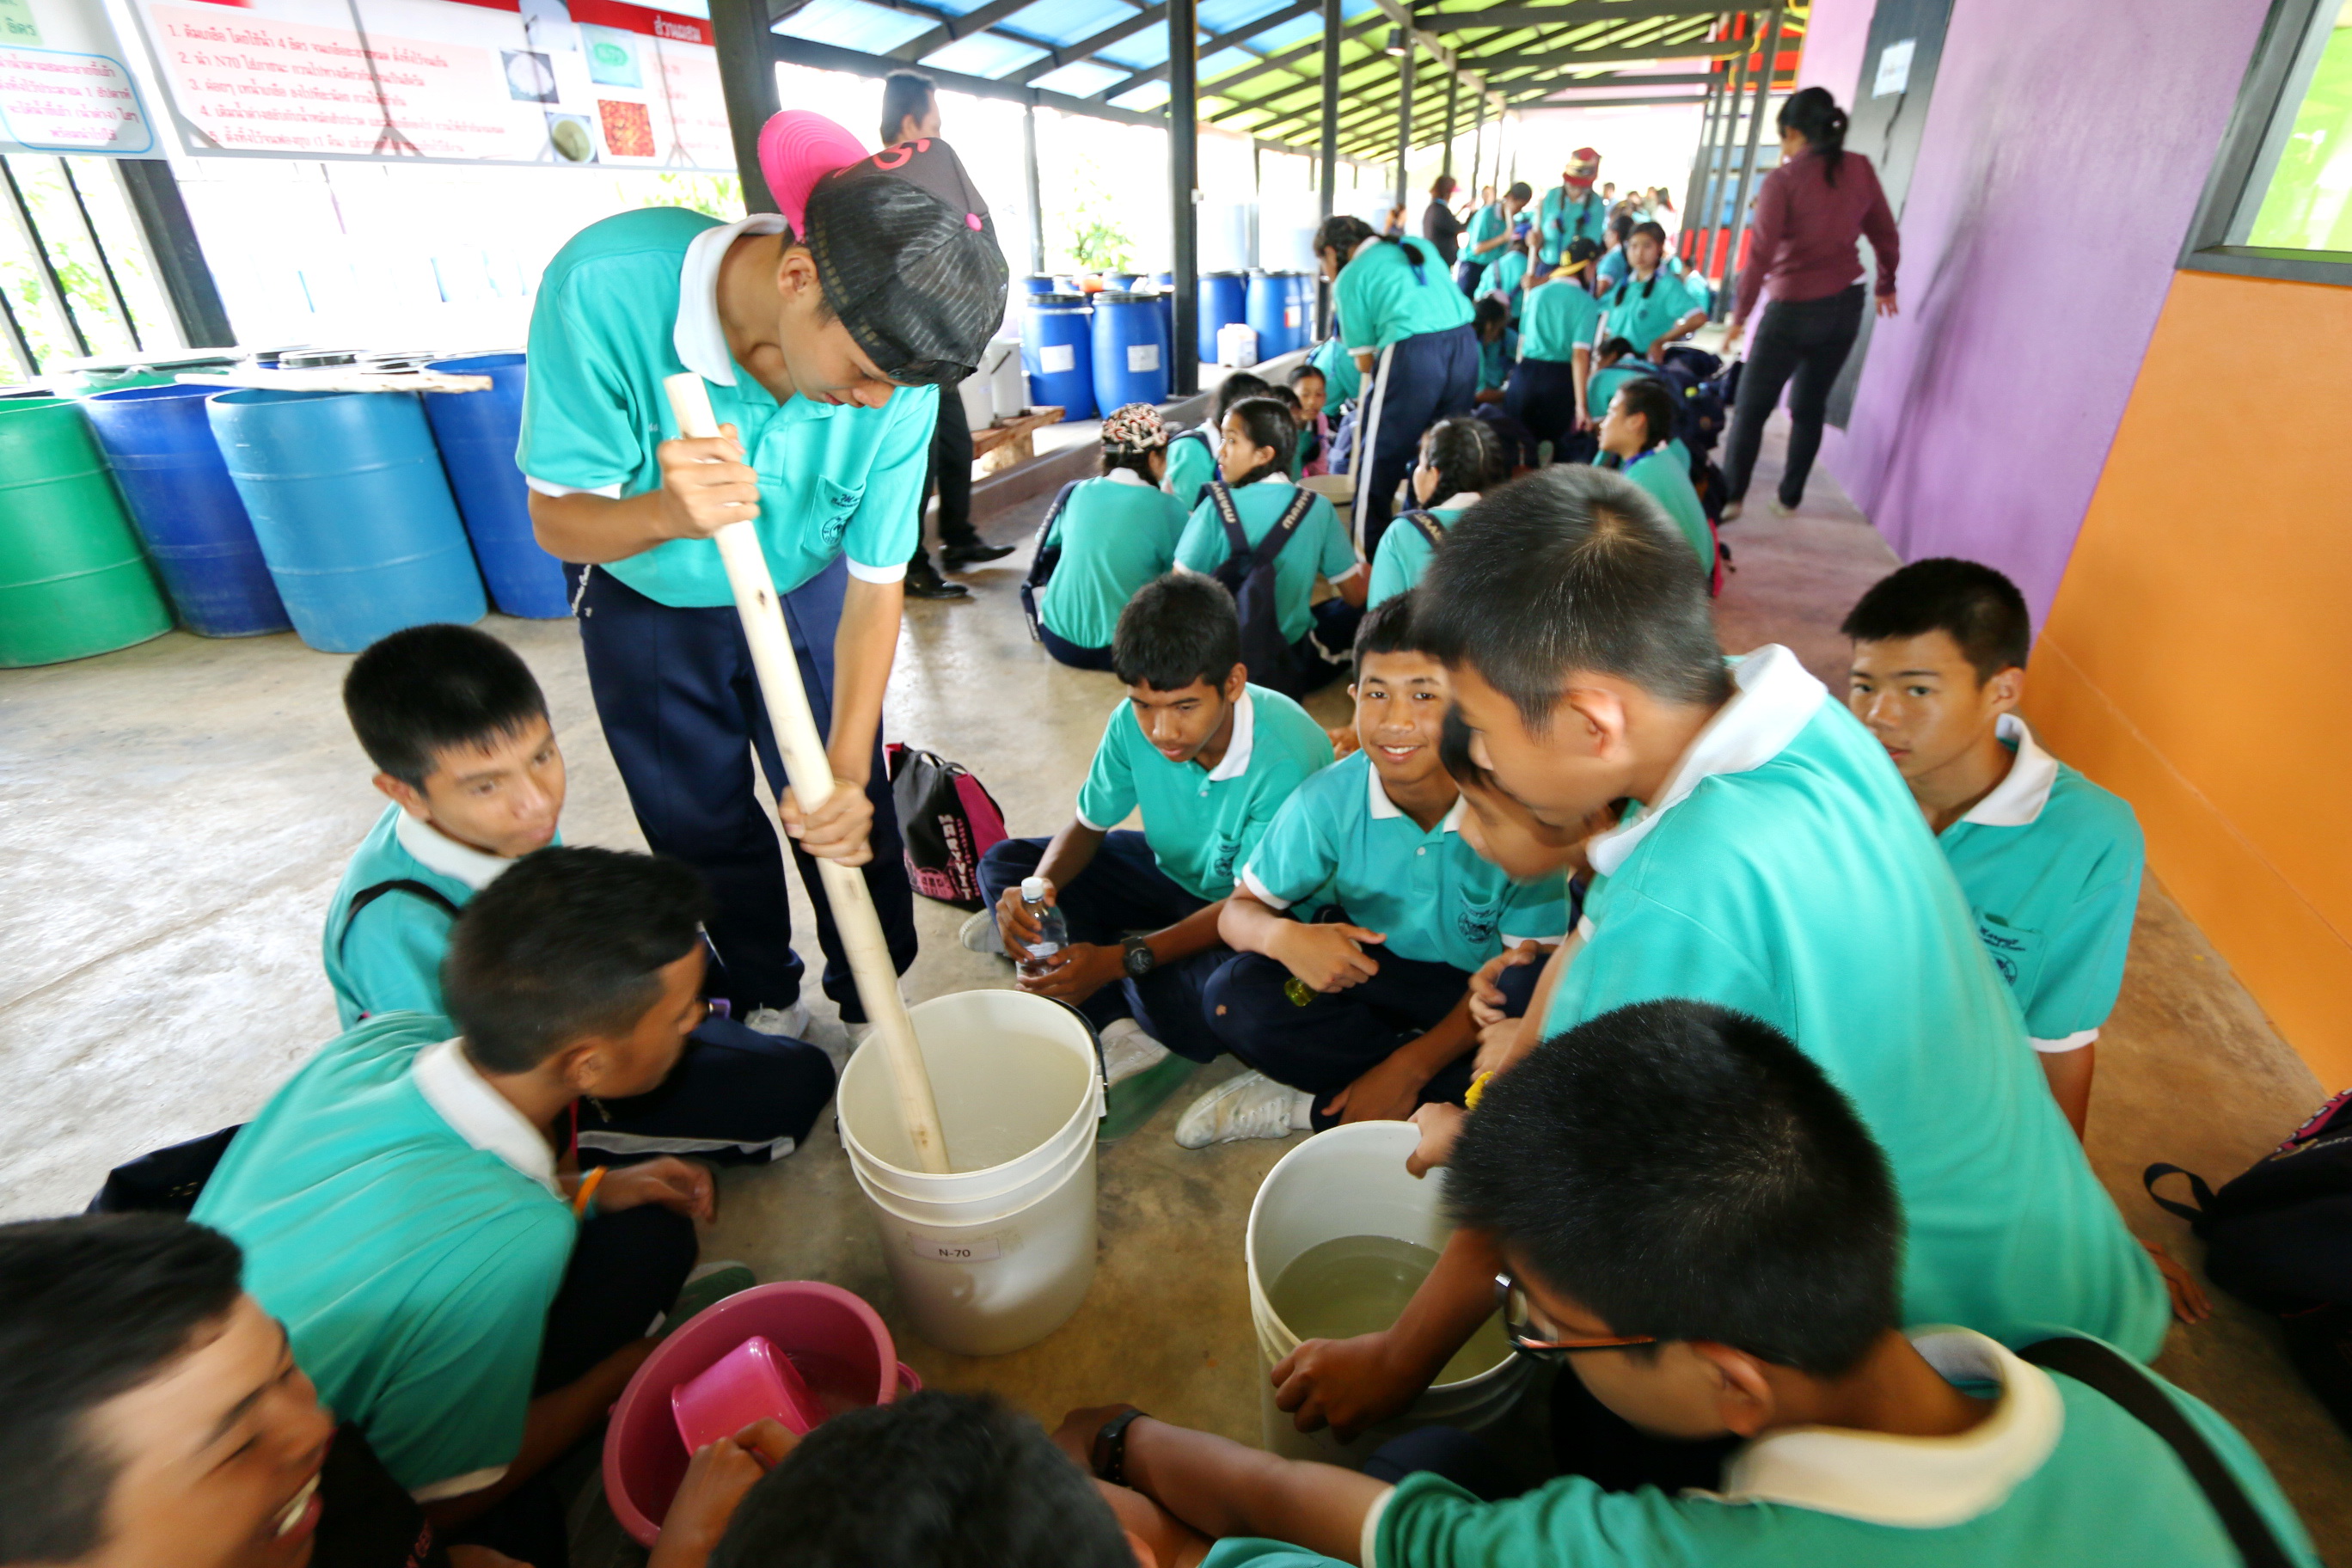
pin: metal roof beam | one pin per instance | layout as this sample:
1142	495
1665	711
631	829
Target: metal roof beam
1576	13
1702	49
1264	101
857	62
1070	54
1539	101
954	27
1234	40
1221	87
1381	110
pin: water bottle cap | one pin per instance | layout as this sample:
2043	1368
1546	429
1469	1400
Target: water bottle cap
1033	889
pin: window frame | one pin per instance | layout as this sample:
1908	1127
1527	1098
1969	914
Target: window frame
2259	100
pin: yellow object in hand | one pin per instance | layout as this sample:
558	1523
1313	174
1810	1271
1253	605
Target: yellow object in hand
1477	1087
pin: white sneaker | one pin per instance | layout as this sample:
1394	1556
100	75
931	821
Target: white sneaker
980	934
1127	1050
1249	1106
794	1023
1781	508
1731	509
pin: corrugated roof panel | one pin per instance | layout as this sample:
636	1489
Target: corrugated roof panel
985	53
1282	35
1151	95
1068	21
854	25
1141	52
1080	78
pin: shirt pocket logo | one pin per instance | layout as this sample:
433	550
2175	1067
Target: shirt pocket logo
836	505
2016	951
1477	922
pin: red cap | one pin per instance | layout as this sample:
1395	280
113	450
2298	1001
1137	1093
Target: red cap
797	147
1582	165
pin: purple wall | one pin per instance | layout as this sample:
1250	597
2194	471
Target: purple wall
2065	153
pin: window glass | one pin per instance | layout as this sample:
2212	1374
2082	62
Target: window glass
2301	195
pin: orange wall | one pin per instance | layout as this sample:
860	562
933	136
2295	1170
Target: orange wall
2198	659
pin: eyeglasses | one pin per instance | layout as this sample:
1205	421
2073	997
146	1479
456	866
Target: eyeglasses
1518	1317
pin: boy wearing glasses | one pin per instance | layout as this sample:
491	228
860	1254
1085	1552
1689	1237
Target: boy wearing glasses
1736	1290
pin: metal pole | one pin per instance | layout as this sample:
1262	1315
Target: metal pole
105	262
1771	41
1036	193
1721	100
1477	142
1404	114
171	240
1331	34
31	231
1453	91
747	81
1183	180
1720	161
1685	242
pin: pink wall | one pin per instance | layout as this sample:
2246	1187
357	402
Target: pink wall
1835	34
2064	152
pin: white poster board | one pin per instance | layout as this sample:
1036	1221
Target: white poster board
63	84
596	82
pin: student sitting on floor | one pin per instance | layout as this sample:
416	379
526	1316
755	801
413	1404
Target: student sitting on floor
2050	862
1688	1213
1310	385
454	1287
1207	758
1778	866
1637	439
1505	277
1253	461
459	735
1498	347
1650	307
1193	454
1408	910
1556	325
1289	399
1461	458
1115	533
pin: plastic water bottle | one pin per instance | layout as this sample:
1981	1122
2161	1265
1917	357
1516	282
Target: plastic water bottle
1054	932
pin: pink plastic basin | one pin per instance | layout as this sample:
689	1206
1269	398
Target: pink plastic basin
835	1341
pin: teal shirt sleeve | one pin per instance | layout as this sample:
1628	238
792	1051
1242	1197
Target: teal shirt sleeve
1390	575
1202	547
1250	1551
882	533
1188	468
1295	854
1430	1522
1109	794
581	424
2082	967
1350	304
1641	950
1338	557
391	959
1537	909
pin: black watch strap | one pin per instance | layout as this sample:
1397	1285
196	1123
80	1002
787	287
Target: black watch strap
1108	1450
1134	945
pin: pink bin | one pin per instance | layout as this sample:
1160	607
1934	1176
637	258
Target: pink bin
836	1341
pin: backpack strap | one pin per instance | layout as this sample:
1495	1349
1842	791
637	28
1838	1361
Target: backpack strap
2197	1189
1219	495
1427	522
1283	527
368	895
2089	1363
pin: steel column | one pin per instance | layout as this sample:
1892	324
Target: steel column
747	79
1477	142
1718	159
1453	93
1405	114
1184	181
180	264
1332	32
1770	40
1036	194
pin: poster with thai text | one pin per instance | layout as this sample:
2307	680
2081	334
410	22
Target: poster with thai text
64	86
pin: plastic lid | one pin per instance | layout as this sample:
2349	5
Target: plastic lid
1036	300
1125	297
1033	889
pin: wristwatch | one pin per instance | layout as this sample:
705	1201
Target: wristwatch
1140	960
1107	1452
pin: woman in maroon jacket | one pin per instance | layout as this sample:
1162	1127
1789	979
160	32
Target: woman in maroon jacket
1809	214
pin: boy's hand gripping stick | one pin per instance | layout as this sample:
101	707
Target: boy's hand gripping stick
811	773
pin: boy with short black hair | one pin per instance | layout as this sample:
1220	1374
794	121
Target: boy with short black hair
2050	862
405	1212
1690	1214
459	735
1207	758
1408	912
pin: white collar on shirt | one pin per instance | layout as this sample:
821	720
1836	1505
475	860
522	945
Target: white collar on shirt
1128	476
700	341
2017	799
481	1114
1914	1483
436	852
1363	245
1235	762
1382	808
1776	697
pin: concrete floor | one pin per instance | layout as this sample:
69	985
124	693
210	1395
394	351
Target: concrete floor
174	817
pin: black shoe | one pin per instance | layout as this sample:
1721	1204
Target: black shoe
956	557
925	582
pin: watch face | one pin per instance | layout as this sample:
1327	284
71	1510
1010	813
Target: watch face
1139	960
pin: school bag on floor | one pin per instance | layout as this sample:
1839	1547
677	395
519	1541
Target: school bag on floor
2279	1236
947	820
1248	574
1043	559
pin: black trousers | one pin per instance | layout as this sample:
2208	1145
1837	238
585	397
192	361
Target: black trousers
950	477
1800	345
736	1097
1541	395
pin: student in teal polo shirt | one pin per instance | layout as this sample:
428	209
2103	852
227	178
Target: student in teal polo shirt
1498	347
1488	234
1115	533
1253	462
458	732
1571	210
1207	758
1556	324
1403	911
1193	454
1409	329
2050	861
1650	307
1690	1216
1637	439
1460	459
1773	863
410	1210
821	343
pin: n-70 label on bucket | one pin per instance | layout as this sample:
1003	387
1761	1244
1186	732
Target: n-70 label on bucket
954	1249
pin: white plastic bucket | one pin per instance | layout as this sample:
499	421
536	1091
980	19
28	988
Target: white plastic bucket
1351	1181
994	1258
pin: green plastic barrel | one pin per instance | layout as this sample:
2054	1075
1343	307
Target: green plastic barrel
73	580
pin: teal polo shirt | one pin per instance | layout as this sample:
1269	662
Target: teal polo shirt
388	958
1405	549
1202	823
402	1220
2051	864
1341	839
1342	382
1788	873
1191	463
1503	278
1603	385
631	300
1116	533
1489	222
1641	312
1667	480
2057	1475
1318	546
1495	359
1563	217
1383	297
1557	321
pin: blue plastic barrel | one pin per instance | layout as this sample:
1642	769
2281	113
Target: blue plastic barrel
1224	298
1270	302
477	433
1056	355
1130	350
160	446
1123	281
352	511
1302	288
1041	283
